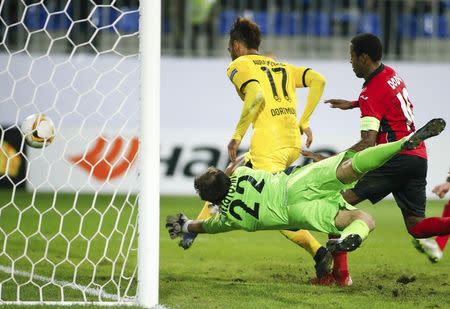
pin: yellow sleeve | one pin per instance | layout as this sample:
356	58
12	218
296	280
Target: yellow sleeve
240	74
305	77
254	97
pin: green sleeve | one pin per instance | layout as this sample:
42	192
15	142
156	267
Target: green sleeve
218	224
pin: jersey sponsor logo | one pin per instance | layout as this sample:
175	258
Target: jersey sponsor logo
394	81
228	198
268	63
282	111
233	73
363	97
112	164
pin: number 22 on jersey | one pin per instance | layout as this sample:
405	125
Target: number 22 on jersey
254	212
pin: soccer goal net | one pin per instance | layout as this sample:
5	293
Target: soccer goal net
69	212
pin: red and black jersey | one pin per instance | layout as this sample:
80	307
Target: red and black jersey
384	96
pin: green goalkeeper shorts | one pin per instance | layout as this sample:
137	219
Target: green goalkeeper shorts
314	197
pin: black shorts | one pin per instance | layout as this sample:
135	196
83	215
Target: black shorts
404	176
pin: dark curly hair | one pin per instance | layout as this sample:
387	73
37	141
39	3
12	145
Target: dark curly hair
246	31
367	43
212	185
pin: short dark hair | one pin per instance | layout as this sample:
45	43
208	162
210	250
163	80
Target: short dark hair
368	43
245	30
212	185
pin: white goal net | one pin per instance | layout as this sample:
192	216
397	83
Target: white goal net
69	212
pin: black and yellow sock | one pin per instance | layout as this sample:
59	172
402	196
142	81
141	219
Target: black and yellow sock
204	213
304	239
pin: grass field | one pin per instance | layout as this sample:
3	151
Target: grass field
234	270
84	242
263	270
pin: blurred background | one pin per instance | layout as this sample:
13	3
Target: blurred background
78	62
410	30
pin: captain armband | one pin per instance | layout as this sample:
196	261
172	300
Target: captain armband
370	124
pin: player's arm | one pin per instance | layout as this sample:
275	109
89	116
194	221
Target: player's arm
372	111
368	139
305	77
342	104
212	225
443	188
369	133
253	97
178	224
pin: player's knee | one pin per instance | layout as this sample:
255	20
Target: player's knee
363	216
411	223
351	197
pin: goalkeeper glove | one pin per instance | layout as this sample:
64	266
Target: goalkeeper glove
174	225
187	240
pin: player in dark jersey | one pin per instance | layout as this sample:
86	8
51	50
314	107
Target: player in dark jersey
386	116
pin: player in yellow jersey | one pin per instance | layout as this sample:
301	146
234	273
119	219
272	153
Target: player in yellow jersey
268	91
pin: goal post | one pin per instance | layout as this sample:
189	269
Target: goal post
148	258
79	219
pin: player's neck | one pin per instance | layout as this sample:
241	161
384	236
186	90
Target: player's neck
372	68
252	52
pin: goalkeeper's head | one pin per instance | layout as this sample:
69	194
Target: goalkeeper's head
212	185
245	38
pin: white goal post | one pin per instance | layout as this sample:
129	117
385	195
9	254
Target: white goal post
79	219
148	257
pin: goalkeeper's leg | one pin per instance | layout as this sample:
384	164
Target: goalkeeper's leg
374	157
277	161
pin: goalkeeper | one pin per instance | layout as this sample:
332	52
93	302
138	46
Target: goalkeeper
299	198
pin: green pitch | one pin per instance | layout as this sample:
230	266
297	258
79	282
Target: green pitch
234	270
264	270
81	239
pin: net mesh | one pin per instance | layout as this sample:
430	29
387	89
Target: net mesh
68	212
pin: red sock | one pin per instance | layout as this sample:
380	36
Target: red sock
429	227
340	263
442	240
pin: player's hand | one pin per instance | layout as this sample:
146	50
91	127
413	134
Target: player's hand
337	103
312	155
174	225
187	240
233	146
309	136
442	189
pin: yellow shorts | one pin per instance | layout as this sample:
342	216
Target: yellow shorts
275	161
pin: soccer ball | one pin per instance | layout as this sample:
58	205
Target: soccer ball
38	130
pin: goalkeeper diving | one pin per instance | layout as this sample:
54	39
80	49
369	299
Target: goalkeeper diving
306	197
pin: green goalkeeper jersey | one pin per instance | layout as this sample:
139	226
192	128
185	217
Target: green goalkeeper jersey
256	200
307	197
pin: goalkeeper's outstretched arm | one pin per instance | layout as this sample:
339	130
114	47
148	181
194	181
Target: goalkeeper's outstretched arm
179	224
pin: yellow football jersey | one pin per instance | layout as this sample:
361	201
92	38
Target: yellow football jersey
276	124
